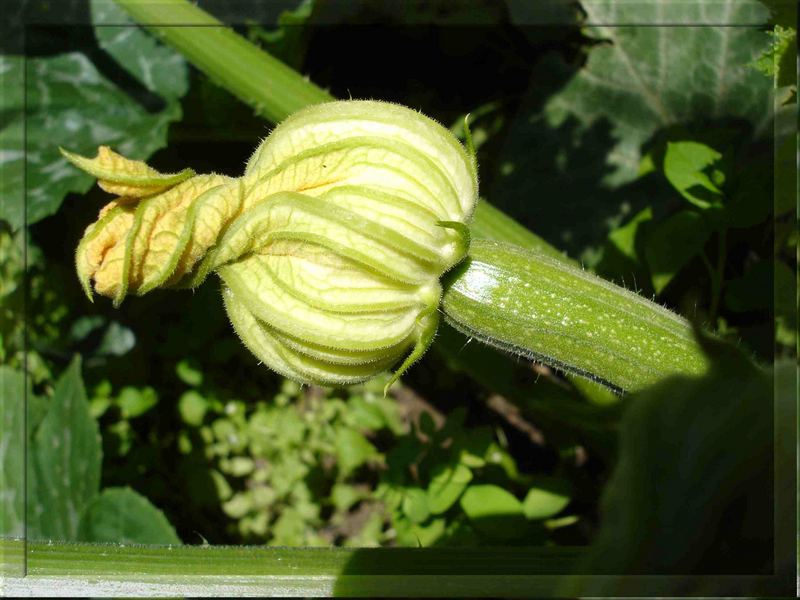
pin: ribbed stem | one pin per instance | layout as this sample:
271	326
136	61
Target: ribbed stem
272	88
542	308
101	570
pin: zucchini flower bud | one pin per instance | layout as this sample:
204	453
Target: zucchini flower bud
330	247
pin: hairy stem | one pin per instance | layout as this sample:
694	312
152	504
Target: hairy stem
530	304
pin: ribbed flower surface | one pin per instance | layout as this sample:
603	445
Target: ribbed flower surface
330	246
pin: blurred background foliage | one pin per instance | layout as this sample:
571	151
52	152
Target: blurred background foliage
645	153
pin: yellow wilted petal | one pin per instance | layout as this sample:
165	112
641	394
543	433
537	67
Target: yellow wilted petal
123	176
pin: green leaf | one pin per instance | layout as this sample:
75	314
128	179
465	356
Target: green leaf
64	461
759	289
117	340
123	516
189	372
134	402
352	450
673	243
415	504
70	104
578	134
419	535
159	68
644	77
448	482
624	238
192	407
546	499
344	496
779	61
289	40
693	489
12	452
684	166
494	511
12	140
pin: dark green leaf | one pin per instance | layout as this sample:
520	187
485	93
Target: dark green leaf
123	516
189	372
692	492
70	104
755	290
63	461
646	77
12	140
574	146
159	68
673	243
624	238
12	452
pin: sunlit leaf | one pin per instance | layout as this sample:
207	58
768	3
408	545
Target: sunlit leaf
123	516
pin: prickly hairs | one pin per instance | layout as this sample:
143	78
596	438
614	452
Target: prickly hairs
330	247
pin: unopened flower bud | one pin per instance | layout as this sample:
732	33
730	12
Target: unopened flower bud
330	246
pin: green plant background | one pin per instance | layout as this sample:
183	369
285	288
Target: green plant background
645	153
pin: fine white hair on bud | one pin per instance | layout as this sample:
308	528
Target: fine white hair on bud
330	247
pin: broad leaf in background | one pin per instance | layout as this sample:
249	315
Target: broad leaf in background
12	452
71	104
159	68
575	144
692	491
641	79
12	139
63	461
122	516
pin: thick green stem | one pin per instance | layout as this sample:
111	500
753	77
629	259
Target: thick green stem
262	81
81	569
545	309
